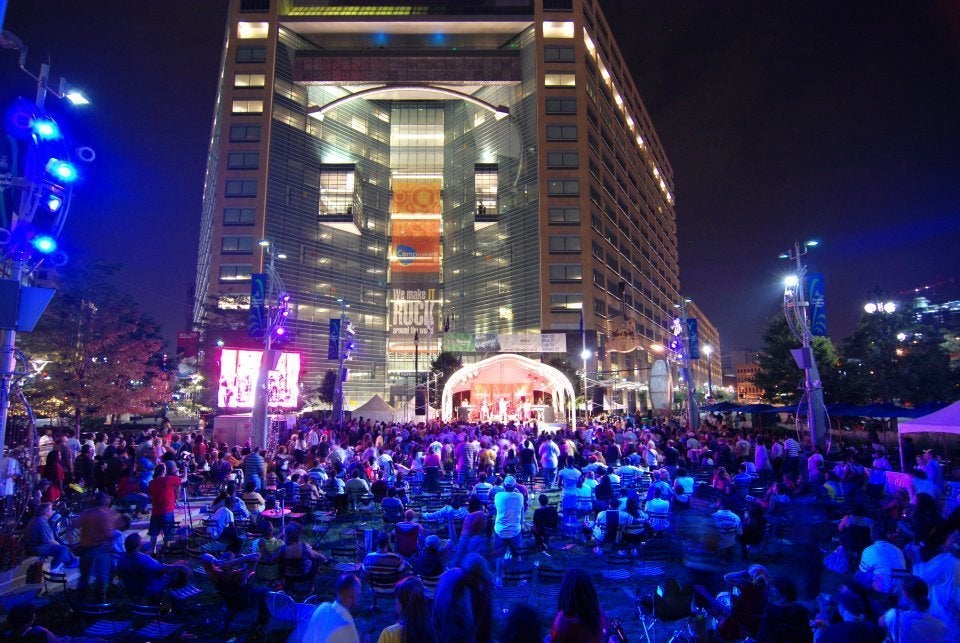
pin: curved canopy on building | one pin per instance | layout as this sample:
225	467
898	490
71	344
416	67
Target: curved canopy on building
512	372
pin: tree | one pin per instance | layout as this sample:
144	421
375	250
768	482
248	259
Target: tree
103	354
442	367
779	377
892	358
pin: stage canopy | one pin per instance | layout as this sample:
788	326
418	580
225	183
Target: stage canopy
511	377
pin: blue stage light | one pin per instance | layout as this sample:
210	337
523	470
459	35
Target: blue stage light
44	244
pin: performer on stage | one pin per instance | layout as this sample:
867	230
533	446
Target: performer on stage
484	411
526	410
503	409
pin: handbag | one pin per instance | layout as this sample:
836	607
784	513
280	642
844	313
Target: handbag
837	561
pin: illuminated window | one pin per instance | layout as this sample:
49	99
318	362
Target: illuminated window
249	30
240	245
248	107
337	186
558	29
238	216
563	302
233	272
485	185
249	80
566	273
560	80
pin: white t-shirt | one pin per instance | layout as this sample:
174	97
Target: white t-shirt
915	627
509	505
329	623
879	559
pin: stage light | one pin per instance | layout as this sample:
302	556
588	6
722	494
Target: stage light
63	170
45	129
281	330
889	307
585	353
54	202
791	281
44	244
870	307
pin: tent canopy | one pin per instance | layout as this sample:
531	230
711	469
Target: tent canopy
375	409
946	420
517	371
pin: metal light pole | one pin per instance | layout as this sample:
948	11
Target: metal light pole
795	308
693	411
708	349
277	314
21	248
338	388
416	369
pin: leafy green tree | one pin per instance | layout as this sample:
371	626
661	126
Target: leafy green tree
779	377
892	358
104	355
442	367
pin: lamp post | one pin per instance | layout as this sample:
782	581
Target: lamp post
681	332
278	309
708	349
343	353
416	369
795	308
45	188
585	354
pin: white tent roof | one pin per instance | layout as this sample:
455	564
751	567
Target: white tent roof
945	420
509	368
375	409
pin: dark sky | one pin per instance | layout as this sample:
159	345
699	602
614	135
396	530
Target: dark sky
838	121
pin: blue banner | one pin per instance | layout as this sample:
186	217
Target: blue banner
693	338
256	324
818	305
333	348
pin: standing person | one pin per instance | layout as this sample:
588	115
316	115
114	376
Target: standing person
163	500
10	472
791	456
46	444
776	456
53	472
509	522
579	616
97	526
255	468
414	622
333	622
549	459
761	458
528	461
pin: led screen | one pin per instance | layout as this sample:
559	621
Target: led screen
238	378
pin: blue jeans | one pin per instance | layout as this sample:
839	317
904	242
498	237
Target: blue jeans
60	554
549	475
95	565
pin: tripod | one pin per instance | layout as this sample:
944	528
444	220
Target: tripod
186	504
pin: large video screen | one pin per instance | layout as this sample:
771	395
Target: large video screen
238	378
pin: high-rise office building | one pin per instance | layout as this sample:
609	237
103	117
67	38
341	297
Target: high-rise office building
469	174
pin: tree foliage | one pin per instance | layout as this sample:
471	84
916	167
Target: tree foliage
779	376
103	354
443	366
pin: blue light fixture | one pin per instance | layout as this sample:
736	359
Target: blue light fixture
63	170
45	129
44	244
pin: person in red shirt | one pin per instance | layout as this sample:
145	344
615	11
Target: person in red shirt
163	498
128	491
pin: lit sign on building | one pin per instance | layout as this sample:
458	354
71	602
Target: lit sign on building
238	379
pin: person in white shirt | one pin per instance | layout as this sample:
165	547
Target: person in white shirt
332	622
942	575
912	624
509	522
878	561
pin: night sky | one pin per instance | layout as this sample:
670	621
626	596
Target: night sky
838	121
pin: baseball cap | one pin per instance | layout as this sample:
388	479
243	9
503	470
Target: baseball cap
509	482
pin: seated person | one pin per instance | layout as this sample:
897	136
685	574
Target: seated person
659	484
912	623
605	518
20	625
729	526
357	487
784	619
129	491
545	517
291	490
231	576
658	512
748	598
754	527
299	562
409	533
267	547
391	505
253	501
384	560
454	510
743	480
309	492
40	540
428	562
878	561
143	577
722	481
682	488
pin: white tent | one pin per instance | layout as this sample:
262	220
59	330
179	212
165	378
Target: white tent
408	412
946	420
375	409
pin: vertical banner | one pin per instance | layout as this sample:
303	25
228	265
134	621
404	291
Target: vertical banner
258	298
333	347
693	337
818	305
188	344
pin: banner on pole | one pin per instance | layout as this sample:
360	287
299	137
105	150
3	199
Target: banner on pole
818	305
693	338
333	348
256	325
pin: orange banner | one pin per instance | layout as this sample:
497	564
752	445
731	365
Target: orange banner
415	196
416	246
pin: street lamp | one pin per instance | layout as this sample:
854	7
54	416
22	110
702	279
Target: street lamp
277	303
795	308
708	349
585	354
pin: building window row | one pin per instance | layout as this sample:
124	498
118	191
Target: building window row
251	54
561	132
565	244
235	272
238	216
563	159
561	105
561	273
560	80
236	244
563	302
563	187
241	188
558	54
247	107
563	215
243	160
244	133
249	80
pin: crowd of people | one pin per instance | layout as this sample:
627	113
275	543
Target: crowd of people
614	482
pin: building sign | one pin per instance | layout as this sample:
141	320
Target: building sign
414	310
188	343
507	343
623	337
238	379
